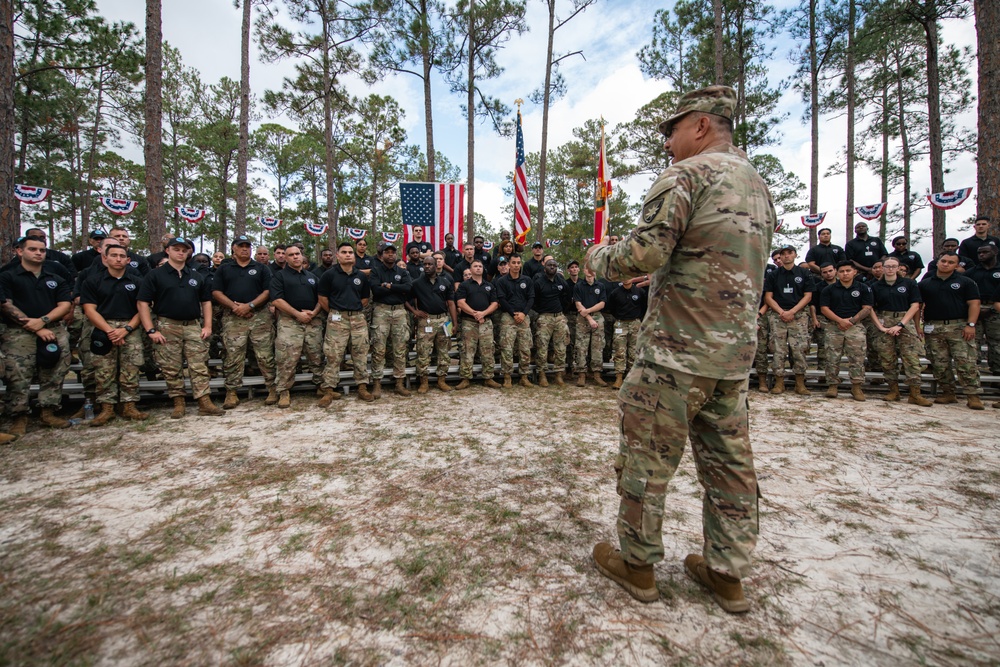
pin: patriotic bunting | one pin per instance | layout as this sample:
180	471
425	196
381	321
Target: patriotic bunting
870	212
779	225
316	230
587	242
487	245
27	194
356	234
189	214
390	237
269	224
946	200
814	220
552	242
119	206
603	194
522	213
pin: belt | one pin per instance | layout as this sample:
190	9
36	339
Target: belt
894	313
634	319
183	323
962	321
388	305
348	312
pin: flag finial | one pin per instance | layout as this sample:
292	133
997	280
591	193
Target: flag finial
519	102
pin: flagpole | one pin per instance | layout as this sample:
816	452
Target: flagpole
513	230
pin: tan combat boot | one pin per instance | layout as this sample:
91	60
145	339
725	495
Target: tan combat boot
272	396
618	381
443	384
893	394
559	381
526	381
207	408
947	396
377	390
464	384
581	379
364	394
762	384
284	399
423	388
106	414
48	417
726	591
328	397
779	385
800	385
178	412
831	391
598	380
492	384
543	380
7	438
20	425
637	580
232	400
916	399
129	411
856	392
507	382
974	402
401	389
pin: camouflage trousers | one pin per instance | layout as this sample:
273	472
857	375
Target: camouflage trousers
515	338
906	346
571	319
945	344
430	338
389	326
609	334
872	360
625	344
86	330
819	337
292	340
476	336
19	350
343	328
852	344
659	410
239	333
184	343
785	335
988	334
763	344
551	327
592	340
117	372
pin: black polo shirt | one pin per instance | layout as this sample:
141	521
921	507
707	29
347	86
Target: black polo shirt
84	258
515	295
422	246
322	268
176	295
821	254
451	256
242	284
35	297
416	269
399	279
846	302
897	297
865	251
788	286
590	294
432	296
914	262
963	262
552	296
970	246
299	289
628	304
275	268
946	299
532	267
115	298
988	281
344	291
483	256
461	265
477	296
363	263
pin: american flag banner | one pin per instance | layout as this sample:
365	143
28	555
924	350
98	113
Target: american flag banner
871	211
354	233
814	219
587	242
30	194
316	229
487	245
950	199
190	214
118	206
603	194
269	224
522	213
552	242
437	207
391	237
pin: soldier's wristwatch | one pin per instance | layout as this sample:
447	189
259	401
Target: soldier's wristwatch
45	319
151	331
970	324
128	329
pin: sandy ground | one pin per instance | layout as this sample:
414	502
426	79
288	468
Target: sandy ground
456	529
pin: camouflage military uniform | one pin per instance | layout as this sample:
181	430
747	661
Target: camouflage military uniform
988	335
785	335
906	346
623	346
183	343
476	336
238	333
117	372
85	330
389	326
704	237
873	361
852	344
514	337
292	340
343	328
760	363
591	340
430	337
551	327
946	344
19	350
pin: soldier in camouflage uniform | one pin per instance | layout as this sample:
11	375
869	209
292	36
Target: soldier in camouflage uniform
432	307
516	296
343	292
846	303
552	294
787	293
590	298
704	236
476	300
760	363
986	273
391	287
295	295
629	299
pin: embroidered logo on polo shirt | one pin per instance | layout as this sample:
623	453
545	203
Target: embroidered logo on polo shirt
488	288
798	279
597	290
635	297
357	281
524	285
130	287
51	284
856	293
133	264
441	288
901	289
955	286
311	281
252	272
193	282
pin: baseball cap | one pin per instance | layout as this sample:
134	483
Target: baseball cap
786	247
572	262
241	240
100	343
98	234
178	240
47	353
716	100
537	244
501	260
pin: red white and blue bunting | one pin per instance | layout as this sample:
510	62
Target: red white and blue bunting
28	194
391	237
487	245
552	242
269	224
119	206
814	220
316	230
780	224
587	242
190	214
870	212
946	200
356	234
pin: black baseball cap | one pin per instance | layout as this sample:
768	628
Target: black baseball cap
572	262
241	240
98	234
537	244
179	240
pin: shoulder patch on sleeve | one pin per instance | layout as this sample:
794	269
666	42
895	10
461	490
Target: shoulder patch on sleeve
651	208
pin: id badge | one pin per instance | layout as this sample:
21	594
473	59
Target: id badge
928	328
334	317
789	289
428	329
619	331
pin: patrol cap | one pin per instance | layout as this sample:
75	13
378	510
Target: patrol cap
47	353
241	240
716	100
571	263
501	260
386	246
787	247
98	234
178	240
537	244
100	344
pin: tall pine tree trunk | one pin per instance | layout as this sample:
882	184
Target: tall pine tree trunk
884	171
470	222
851	21
10	223
904	147
988	186
938	232
814	119
720	72
91	163
546	95
328	157
152	136
427	61
243	151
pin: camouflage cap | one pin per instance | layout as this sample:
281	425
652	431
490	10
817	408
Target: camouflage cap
716	100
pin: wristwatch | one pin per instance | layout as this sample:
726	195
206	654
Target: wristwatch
128	329
252	307
45	319
970	324
151	331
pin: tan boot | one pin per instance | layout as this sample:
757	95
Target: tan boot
232	400
272	396
178	412
800	385
974	402
831	391
559	381
507	382
598	380
206	408
284	399
48	417
543	380
364	394
7	438
726	591
916	399
779	385
20	425
637	580
443	384
581	379
856	392
526	382
129	411
893	394
106	414
762	384
377	390
618	381
328	397
401	389
464	384
947	396
424	387
492	384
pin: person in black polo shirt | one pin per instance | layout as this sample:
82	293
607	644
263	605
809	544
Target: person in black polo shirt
552	297
434	314
279	259
914	262
590	296
824	252
534	265
950	245
418	242
863	250
986	273
821	325
760	363
295	295
629	303
516	296
391	287
846	303
787	293
969	247
476	299
344	293
452	255
108	297
242	288
37	299
181	300
85	258
326	261
414	260
897	305
468	254
951	310
481	253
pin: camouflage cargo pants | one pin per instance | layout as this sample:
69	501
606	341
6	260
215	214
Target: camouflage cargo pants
785	335
389	326
551	327
345	328
988	334
571	319
86	330
430	338
623	347
292	340
872	360
476	336
945	344
184	343
659	410
763	344
117	372
19	350
852	344
590	339
514	338
238	333
906	346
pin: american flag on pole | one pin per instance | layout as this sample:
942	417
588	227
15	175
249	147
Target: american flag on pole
437	207
522	213
603	194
